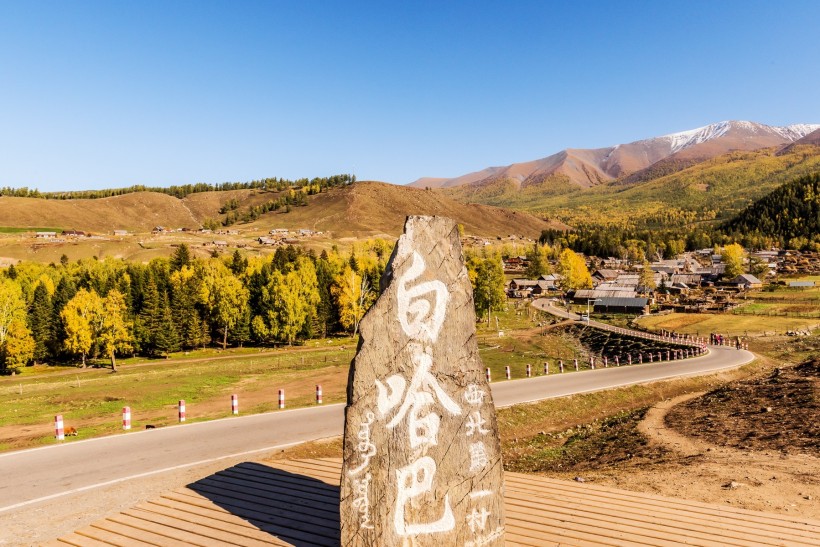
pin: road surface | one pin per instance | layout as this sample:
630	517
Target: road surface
37	475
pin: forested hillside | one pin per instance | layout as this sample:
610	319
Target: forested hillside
716	189
787	217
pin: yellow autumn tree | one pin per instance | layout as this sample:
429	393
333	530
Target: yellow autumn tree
354	296
16	343
224	295
288	300
574	272
732	257
79	315
111	328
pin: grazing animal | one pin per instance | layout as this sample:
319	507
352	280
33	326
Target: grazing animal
149	426
71	431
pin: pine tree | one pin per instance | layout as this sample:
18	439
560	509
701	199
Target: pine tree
149	318
64	292
166	338
40	323
180	258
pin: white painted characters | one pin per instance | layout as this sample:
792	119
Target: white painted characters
361	502
415	480
365	448
421	319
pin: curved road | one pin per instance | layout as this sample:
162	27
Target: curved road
49	473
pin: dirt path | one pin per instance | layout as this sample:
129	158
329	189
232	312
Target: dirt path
760	480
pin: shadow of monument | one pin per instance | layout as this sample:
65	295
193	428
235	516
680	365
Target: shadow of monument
298	509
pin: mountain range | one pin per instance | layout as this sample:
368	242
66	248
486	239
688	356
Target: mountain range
636	161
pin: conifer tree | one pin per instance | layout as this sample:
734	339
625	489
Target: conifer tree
40	323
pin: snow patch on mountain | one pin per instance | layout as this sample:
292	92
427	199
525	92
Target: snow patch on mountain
796	131
692	137
685	139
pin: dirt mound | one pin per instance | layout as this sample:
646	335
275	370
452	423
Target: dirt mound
777	412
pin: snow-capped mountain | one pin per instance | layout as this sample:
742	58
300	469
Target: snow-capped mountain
685	139
587	167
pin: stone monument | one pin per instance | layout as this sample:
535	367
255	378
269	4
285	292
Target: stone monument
422	461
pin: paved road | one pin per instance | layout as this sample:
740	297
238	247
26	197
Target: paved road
48	473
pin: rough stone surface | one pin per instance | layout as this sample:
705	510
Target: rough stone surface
422	461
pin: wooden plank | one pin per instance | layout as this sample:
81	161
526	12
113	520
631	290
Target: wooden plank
272	491
195	527
299	484
282	477
613	528
76	540
270	519
766	523
100	531
296	502
646	518
238	498
235	527
531	481
153	534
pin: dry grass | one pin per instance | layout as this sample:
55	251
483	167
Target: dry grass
729	325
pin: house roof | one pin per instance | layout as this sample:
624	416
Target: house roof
747	278
801	283
606	273
622	302
597	293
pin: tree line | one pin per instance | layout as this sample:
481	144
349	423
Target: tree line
316	184
100	309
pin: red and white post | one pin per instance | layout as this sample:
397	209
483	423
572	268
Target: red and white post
529	370
561	366
59	432
281	398
487	374
318	394
576	364
592	363
181	410
507	372
546	368
234	404
126	418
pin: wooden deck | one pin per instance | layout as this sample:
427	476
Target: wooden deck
296	503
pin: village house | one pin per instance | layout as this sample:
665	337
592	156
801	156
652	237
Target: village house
605	275
622	305
120	232
745	281
45	235
523	284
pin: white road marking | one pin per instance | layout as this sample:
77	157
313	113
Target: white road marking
146	474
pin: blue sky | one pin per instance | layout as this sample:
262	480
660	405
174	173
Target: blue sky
109	94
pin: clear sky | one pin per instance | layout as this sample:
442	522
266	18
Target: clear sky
114	93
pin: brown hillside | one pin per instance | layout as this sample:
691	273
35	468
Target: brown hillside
138	212
204	205
368	209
